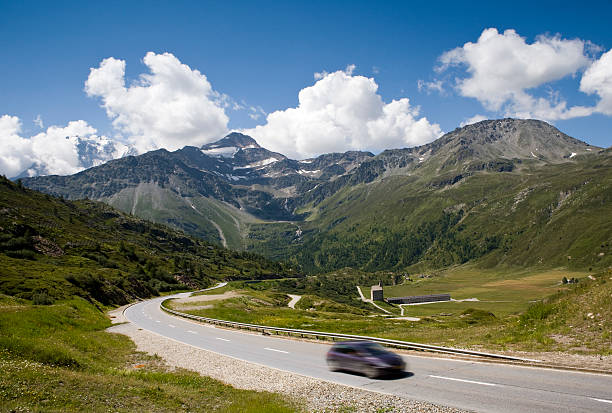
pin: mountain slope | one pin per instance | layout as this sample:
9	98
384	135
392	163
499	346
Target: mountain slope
535	215
52	249
480	189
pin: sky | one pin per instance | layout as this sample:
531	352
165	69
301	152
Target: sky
85	82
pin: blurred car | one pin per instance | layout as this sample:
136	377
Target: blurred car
364	357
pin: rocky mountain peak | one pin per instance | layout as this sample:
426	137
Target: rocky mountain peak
511	138
234	139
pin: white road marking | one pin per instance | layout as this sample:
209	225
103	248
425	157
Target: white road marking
278	351
601	400
192	332
462	380
157	321
222	339
171	325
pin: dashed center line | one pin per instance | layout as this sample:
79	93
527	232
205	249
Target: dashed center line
157	321
601	400
222	339
464	381
171	325
192	332
278	351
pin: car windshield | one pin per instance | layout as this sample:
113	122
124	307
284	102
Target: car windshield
373	349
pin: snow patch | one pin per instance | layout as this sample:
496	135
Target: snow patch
267	161
304	172
224	152
258	164
306	161
573	154
534	155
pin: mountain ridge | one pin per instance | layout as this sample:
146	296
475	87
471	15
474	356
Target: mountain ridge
235	192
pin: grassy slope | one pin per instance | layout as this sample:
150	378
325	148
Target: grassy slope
535	215
560	322
152	202
499	291
94	251
58	358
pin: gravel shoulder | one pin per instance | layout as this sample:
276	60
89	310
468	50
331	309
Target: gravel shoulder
318	395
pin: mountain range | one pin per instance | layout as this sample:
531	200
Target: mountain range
497	192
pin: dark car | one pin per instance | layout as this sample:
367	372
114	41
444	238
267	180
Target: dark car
364	357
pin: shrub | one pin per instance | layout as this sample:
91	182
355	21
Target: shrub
22	254
537	312
42	297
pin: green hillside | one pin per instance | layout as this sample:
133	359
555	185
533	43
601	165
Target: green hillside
62	264
537	214
536	312
53	249
504	192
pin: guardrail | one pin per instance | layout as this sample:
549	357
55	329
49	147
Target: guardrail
334	336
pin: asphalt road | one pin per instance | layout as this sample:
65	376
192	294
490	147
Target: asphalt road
470	385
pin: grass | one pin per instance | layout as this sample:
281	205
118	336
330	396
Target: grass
59	358
56	248
500	291
557	322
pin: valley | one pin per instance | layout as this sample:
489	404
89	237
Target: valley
498	193
496	214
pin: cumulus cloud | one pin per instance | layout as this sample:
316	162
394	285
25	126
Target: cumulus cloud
14	150
598	79
58	150
502	67
170	107
341	112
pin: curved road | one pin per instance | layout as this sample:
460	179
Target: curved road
469	385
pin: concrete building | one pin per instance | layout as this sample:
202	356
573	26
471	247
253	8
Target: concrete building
376	293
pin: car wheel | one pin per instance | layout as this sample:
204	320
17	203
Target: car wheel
371	372
333	365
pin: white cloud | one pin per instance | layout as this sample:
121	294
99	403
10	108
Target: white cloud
350	69
598	79
255	112
320	75
343	112
39	122
58	150
170	107
15	152
435	85
502	67
473	119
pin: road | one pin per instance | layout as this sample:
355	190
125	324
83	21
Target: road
463	384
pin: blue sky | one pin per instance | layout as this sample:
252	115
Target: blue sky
261	54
